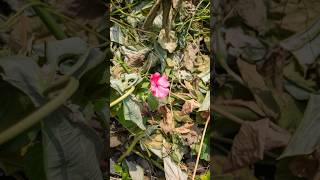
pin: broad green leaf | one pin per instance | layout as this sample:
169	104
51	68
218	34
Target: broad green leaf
307	137
71	150
152	102
129	125
132	112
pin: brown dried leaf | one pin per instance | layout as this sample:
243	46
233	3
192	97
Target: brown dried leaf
193	134
184	128
170	43
251	142
254	13
167	123
190	55
262	94
298	15
189	106
134	58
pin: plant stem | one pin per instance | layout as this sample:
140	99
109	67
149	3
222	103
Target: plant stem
200	149
49	21
122	97
149	159
132	145
39	114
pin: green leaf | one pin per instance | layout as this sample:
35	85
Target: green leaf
152	102
132	112
129	125
205	176
205	153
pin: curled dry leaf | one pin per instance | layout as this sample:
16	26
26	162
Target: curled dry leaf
134	58
189	106
202	63
170	43
167	123
251	142
190	55
193	134
184	128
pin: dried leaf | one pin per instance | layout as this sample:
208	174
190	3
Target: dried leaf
172	170
252	140
167	123
262	94
170	43
254	13
184	129
305	45
134	58
190	55
193	134
248	47
189	106
296	15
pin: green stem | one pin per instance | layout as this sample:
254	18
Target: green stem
49	21
39	114
149	159
122	97
132	145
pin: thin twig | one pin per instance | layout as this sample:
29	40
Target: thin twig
200	148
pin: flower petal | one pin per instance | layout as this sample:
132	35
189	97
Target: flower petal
163	81
162	92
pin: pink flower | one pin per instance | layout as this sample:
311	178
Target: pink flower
159	85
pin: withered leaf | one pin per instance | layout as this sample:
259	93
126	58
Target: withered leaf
170	43
190	55
251	142
254	13
184	128
262	94
189	106
167	123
